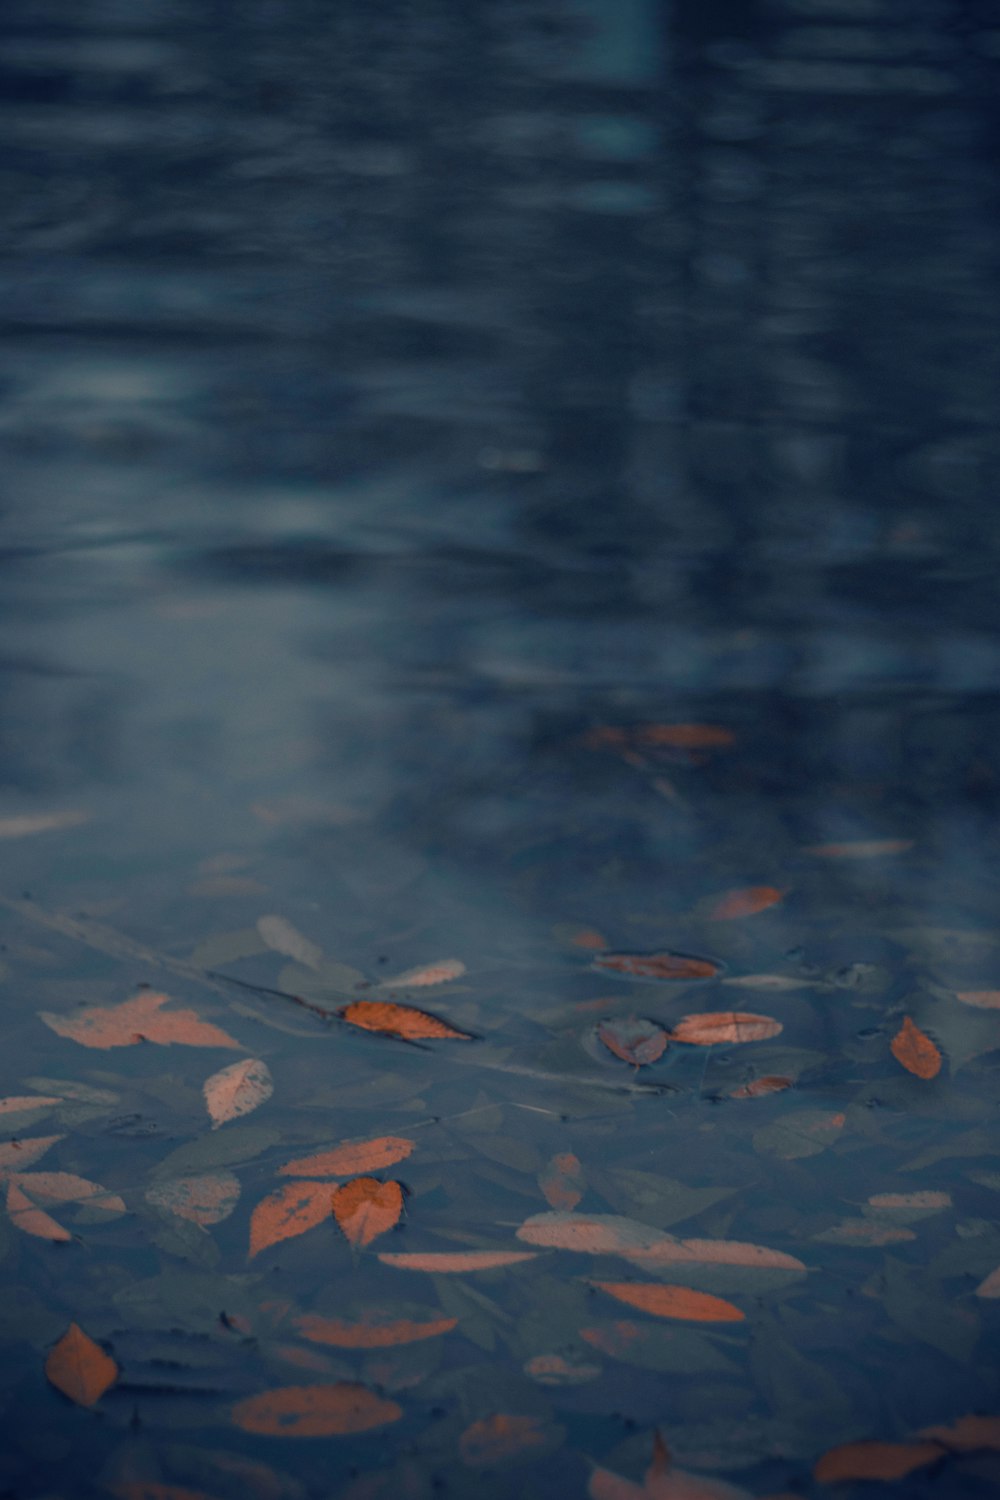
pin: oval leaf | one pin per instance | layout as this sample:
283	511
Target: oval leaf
590	1234
981	999
860	849
725	1026
668	1251
289	1212
315	1411
15	1156
562	1181
672	1301
685	736
137	1020
365	1208
914	1050
31	1220
66	1187
874	1461
460	1261
374	1331
206	1199
759	1088
351	1157
398	1020
236	1090
743	903
656	966
633	1039
80	1368
426	975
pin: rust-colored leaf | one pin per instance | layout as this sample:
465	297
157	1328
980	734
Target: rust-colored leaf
205	1199
141	1019
915	1051
874	1461
315	1411
869	1232
927	1199
596	942
80	1368
672	1301
758	1088
557	1370
667	1251
656	966
426	975
351	1157
438	1261
686	736
981	999
31	1220
23	1104
291	1211
590	1234
15	1156
966	1434
236	1090
364	1208
725	1026
562	1181
398	1020
860	849
373	1331
634	1039
743	903
499	1439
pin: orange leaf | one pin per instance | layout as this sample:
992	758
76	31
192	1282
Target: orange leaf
633	1039
500	1438
989	1287
864	1232
23	1104
287	1213
427	974
656	965
374	1331
351	1157
967	1434
725	1026
456	1260
926	1199
668	1251
562	1181
686	736
30	1219
137	1020
398	1020
365	1208
236	1090
860	849
672	1301
982	999
80	1368
743	903
758	1087
588	938
66	1187
874	1461
315	1411
591	1234
206	1199
16	1155
915	1051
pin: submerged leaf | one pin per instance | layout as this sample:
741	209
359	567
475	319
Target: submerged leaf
672	1301
591	1234
874	1461
803	1132
437	1262
205	1199
744	903
15	1156
501	1438
633	1039
289	1212
725	1026
981	999
668	1251
364	1208
237	1090
656	966
30	1219
562	1181
351	1157
29	823
915	1051
426	975
138	1020
80	1368
281	937
967	1434
374	1331
398	1020
860	849
759	1088
315	1411
555	1369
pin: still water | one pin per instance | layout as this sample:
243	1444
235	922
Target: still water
508	483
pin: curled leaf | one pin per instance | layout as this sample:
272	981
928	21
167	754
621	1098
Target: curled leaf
289	1212
315	1411
656	966
141	1019
398	1020
672	1301
237	1090
633	1039
914	1050
725	1026
351	1157
364	1208
80	1368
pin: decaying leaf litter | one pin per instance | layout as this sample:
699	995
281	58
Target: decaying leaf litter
401	1222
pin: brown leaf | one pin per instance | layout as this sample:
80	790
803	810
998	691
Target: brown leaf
860	849
668	1251
874	1461
656	966
398	1020
555	1369
437	1262
237	1090
315	1411
725	1026
15	1156
759	1087
23	1104
562	1181
499	1439
374	1331
743	903
672	1301
351	1157
927	1199
205	1199
364	1208
426	975
590	1234
686	736
588	938
289	1212
982	999
915	1051
138	1020
967	1434
633	1039
80	1368
864	1232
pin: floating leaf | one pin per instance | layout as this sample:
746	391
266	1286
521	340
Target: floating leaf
672	1301
315	1411
668	1251
31	1220
874	1461
364	1208
860	849
915	1051
80	1368
864	1232
656	966
15	1156
501	1438
633	1039
138	1020
555	1369
289	1212
758	1088
398	1020
66	1187
743	903
591	1234
206	1199
982	999
29	823
426	975
909	1205
967	1434
281	937
24	1104
374	1331
562	1181
351	1157
804	1132
725	1026
456	1260
237	1090
990	1287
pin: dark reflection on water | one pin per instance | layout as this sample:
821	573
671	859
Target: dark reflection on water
403	406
